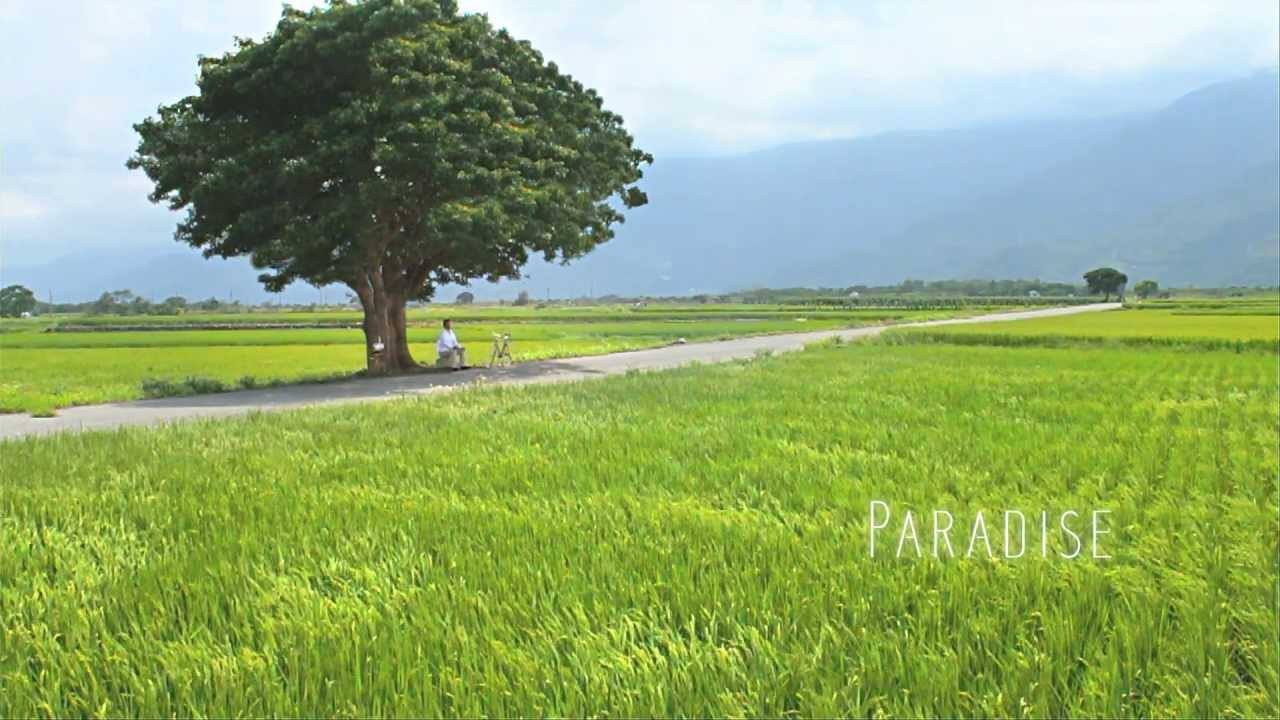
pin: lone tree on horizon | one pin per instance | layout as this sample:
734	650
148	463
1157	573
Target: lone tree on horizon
1106	280
393	146
1146	288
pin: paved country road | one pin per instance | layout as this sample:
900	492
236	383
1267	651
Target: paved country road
155	412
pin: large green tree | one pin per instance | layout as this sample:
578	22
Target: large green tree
392	146
15	300
1106	280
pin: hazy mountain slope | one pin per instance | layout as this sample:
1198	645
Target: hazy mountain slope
170	271
1205	164
1159	192
1231	233
717	223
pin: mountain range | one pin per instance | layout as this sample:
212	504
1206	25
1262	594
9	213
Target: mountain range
1187	194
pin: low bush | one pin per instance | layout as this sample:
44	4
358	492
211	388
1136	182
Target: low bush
190	385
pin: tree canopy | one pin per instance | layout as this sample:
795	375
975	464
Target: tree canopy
393	146
1146	288
1106	280
15	300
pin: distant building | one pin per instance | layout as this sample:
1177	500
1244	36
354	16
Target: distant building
1034	294
854	294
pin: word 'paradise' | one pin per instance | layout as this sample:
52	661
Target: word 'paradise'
930	534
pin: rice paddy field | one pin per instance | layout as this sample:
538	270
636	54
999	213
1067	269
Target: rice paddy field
692	542
1233	328
112	358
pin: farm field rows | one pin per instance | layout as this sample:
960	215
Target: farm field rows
41	371
1186	328
689	542
1259	303
431	315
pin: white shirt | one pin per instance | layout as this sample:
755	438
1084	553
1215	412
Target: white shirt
447	341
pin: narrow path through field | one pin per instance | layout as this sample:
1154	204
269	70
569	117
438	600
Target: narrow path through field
154	412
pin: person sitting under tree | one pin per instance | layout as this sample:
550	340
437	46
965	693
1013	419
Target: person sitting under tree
452	353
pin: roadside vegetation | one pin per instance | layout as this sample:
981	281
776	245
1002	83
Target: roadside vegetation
686	542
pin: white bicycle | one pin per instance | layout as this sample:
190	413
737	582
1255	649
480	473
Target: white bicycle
501	353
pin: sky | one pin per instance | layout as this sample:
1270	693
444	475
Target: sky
690	78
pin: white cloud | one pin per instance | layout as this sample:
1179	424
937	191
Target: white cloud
689	76
735	73
18	206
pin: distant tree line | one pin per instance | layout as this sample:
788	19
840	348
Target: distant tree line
125	302
925	288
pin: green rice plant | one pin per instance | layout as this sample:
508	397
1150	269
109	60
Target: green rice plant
1150	327
1255	304
691	542
430	316
1192	344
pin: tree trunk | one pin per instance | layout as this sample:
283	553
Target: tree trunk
386	351
404	359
